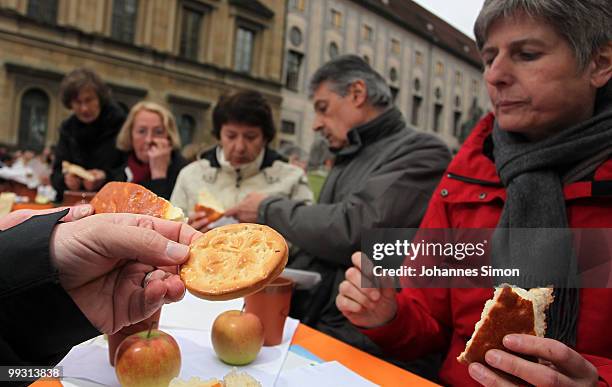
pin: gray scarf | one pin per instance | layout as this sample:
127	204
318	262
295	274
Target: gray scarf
532	173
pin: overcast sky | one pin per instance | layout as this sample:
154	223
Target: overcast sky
461	14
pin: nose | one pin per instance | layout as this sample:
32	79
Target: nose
317	124
239	145
499	72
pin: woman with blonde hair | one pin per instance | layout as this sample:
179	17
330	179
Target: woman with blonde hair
151	138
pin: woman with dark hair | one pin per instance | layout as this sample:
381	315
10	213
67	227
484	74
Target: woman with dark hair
541	161
87	137
241	163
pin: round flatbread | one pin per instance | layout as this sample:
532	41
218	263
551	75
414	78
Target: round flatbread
234	261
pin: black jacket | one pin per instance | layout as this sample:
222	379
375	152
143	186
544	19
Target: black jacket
162	187
90	146
39	322
383	178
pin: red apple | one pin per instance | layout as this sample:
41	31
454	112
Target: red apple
237	337
149	358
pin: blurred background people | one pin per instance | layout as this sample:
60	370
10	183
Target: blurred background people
383	176
242	162
87	138
150	137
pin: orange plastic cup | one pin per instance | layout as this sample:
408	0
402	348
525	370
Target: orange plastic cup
116	338
271	305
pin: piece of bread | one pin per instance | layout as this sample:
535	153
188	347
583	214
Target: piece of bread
511	310
210	205
135	199
232	379
68	167
234	261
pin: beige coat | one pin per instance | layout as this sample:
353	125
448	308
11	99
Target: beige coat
268	174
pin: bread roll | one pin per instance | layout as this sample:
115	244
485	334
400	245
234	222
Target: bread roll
210	205
234	261
511	310
68	167
135	199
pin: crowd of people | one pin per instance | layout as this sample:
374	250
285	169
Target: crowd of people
547	66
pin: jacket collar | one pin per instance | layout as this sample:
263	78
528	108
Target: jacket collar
269	157
387	123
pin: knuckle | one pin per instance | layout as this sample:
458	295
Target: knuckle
551	378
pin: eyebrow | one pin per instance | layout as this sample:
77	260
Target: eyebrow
516	44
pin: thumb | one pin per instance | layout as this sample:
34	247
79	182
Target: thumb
141	244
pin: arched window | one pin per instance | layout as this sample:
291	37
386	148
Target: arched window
33	121
186	127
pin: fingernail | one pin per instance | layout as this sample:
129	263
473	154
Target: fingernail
492	357
512	341
84	211
176	251
477	371
375	295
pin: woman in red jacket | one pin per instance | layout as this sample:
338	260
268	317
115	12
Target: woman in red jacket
542	159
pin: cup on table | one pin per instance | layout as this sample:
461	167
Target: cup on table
116	338
271	305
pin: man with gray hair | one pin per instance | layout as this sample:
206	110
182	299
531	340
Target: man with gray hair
383	176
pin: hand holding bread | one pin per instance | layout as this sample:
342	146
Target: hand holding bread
509	338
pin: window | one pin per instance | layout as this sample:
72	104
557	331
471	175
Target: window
43	10
297	5
294	62
417	84
288	127
458	78
437	117
295	36
186	128
393	74
33	120
395	47
418	58
439	68
124	20
367	33
333	50
394	93
475	86
243	55
336	19
457	123
416	110
190	33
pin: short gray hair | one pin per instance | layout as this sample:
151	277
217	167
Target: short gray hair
344	70
585	24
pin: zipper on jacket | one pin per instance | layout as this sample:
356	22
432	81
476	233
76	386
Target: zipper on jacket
471	180
238	178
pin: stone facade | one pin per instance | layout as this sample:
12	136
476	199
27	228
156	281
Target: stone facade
182	53
434	69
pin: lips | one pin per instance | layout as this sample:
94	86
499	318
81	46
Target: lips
507	104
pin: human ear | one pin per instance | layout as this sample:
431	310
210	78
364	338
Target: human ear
601	65
359	93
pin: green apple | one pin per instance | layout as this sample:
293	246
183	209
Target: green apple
147	359
237	337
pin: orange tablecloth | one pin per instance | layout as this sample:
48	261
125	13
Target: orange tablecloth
328	348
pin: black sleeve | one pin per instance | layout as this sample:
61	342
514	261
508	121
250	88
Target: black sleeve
62	153
39	322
